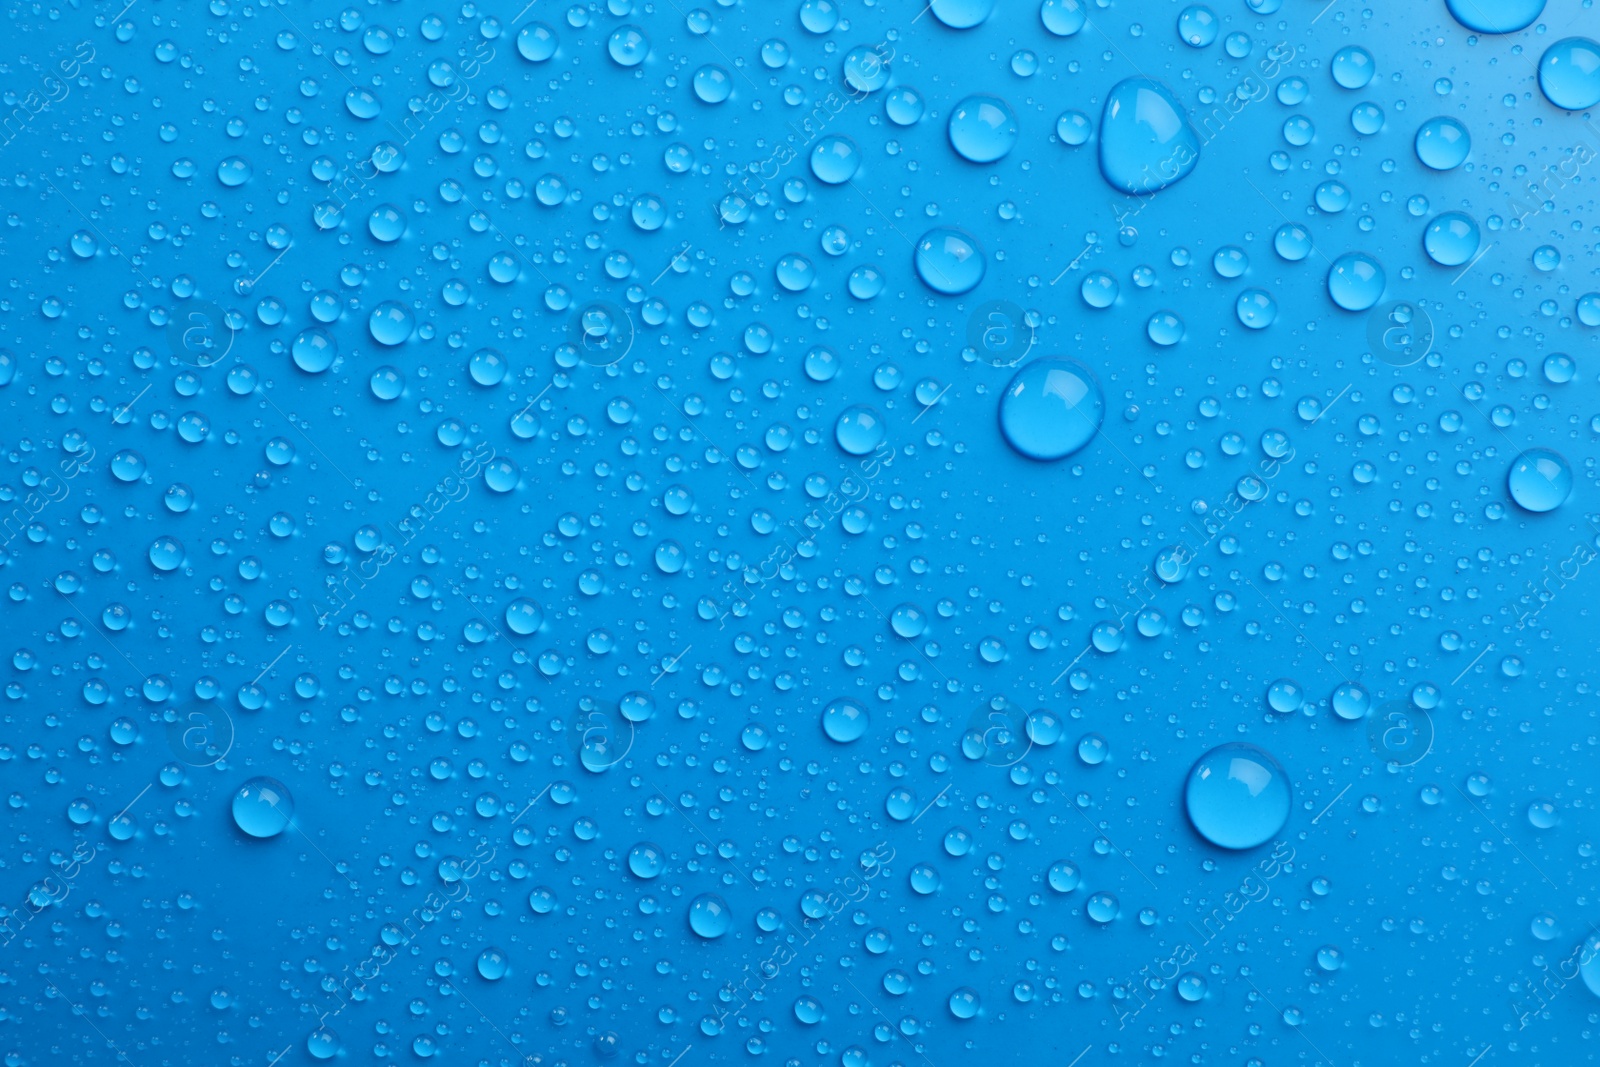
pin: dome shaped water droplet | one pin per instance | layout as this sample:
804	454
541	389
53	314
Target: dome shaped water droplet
709	916
536	42
1451	239
845	721
1356	281
386	223
1237	796
835	159
903	106
859	430
233	171
982	128
712	84
1540	480
1442	143
1146	142
1495	16
1351	701
950	261
961	14
1569	74
1352	67
1198	26
390	323
313	351
262	807
964	1003
523	616
1051	408
628	46
646	860
1063	17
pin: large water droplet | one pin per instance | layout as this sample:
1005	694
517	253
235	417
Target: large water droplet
1051	408
1356	281
835	159
949	261
982	128
537	42
263	807
1569	74
1540	480
859	430
628	46
1443	143
709	916
1237	796
1146	142
1495	16
845	721
961	14
1451	239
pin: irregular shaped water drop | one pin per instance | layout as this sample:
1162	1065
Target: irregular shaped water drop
961	14
1146	142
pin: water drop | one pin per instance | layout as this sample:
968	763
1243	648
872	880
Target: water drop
844	721
1237	796
1540	480
949	261
1569	74
709	916
982	128
1051	408
1146	142
262	807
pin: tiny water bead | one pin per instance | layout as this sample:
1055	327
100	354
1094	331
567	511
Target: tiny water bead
1540	480
262	807
1051	408
1237	796
1146	142
982	129
845	721
709	916
949	261
1442	143
1569	74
